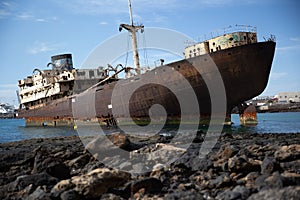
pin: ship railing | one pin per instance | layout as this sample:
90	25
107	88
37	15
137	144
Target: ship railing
220	32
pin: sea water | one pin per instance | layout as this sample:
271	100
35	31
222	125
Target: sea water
287	122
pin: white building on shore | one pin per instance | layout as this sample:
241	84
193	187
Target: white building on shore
288	97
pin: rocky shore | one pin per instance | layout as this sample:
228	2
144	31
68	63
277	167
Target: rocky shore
240	166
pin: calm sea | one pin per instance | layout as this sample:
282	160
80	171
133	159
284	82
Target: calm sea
15	130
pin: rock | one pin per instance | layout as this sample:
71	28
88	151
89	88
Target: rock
58	170
293	166
290	179
94	183
250	179
70	195
269	165
271	194
39	194
288	153
150	186
184	195
80	161
221	181
120	140
36	180
226	151
269	182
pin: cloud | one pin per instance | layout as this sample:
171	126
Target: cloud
41	47
288	48
25	16
103	23
277	75
295	39
5	9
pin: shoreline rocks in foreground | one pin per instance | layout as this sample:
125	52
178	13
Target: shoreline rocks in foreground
240	166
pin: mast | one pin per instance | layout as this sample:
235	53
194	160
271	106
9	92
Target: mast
133	30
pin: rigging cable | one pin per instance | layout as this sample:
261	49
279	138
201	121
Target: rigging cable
145	50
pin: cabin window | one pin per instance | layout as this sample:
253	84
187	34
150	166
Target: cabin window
211	50
219	47
91	73
214	43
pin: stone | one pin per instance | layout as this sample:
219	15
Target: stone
39	194
120	140
58	170
36	179
269	165
288	153
226	151
94	183
150	185
221	181
271	194
269	182
70	195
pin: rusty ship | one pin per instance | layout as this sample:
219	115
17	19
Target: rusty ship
58	96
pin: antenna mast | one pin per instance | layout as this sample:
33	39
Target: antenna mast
133	30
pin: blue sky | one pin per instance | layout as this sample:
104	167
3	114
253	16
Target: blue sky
33	30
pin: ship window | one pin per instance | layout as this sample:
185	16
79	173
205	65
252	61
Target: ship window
91	73
214	43
194	50
245	37
198	49
190	55
219	47
230	39
190	51
69	75
195	54
296	96
211	50
178	66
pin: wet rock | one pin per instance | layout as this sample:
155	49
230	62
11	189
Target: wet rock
288	153
93	184
271	194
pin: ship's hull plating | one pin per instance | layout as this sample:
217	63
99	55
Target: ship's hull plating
244	70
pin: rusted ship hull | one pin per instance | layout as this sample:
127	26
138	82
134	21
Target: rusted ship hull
244	70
